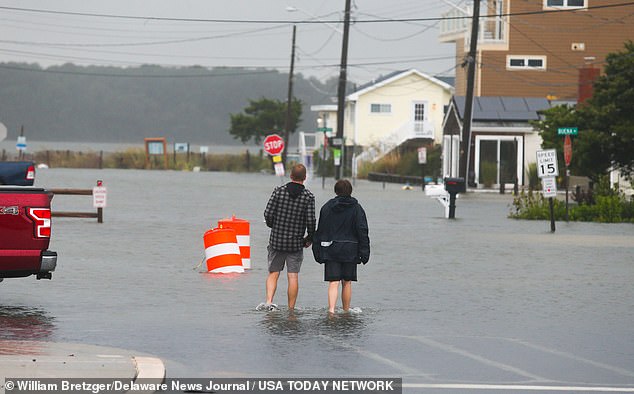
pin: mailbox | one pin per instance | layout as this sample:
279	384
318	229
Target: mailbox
455	185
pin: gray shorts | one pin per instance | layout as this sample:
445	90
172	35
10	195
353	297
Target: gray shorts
277	258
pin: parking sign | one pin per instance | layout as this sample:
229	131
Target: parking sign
547	163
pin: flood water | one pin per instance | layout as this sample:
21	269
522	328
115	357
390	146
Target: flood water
481	298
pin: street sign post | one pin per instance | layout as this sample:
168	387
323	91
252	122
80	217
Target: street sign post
327	133
422	160
548	170
274	145
567	149
567	159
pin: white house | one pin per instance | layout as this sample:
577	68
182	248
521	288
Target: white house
385	113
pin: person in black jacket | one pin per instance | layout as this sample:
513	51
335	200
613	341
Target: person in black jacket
341	242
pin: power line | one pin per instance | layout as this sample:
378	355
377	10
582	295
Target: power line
130	44
284	21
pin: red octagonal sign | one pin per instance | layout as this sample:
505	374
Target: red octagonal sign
273	144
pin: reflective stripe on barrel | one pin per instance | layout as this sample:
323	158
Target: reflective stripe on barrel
242	228
222	251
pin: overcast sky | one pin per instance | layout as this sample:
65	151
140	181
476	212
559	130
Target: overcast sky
211	33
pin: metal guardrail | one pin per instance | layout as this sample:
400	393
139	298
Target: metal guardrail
393	178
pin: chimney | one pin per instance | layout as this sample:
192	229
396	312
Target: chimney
587	75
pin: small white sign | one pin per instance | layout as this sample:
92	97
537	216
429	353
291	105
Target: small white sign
547	163
549	186
3	131
21	143
204	149
422	155
181	147
337	156
99	197
279	169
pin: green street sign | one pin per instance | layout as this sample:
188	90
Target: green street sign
324	129
568	131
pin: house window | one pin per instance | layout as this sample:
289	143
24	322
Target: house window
514	62
419	112
381	108
565	4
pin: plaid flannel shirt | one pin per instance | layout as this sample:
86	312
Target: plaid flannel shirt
290	218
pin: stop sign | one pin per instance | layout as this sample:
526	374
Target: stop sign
273	144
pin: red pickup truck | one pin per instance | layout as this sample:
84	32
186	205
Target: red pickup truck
25	233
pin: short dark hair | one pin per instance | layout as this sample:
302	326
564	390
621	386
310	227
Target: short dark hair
298	172
343	187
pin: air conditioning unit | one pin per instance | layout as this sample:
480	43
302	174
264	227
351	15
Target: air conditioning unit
578	46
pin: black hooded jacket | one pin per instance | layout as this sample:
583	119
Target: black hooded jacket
342	232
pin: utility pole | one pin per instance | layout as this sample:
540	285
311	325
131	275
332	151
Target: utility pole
471	61
341	91
289	102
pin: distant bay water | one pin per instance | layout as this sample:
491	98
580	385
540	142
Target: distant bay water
35	146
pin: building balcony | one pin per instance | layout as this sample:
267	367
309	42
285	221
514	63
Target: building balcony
492	33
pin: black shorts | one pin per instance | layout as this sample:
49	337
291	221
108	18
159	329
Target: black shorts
339	271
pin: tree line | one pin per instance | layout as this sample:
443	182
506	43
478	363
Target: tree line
114	104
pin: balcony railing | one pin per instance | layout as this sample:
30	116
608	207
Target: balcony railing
409	130
456	23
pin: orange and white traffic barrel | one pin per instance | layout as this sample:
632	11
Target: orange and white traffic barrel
243	236
222	252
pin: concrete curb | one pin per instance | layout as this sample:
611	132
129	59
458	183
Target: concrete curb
39	360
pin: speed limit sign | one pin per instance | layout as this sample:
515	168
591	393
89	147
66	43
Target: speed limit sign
547	163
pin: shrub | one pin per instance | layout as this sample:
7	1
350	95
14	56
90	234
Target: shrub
609	206
405	162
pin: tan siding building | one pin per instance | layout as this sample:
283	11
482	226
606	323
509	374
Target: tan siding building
536	48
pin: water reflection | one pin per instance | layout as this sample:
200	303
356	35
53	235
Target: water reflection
315	322
25	323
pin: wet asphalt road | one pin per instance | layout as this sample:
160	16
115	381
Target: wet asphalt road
448	305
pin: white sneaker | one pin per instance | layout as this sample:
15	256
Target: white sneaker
355	310
263	306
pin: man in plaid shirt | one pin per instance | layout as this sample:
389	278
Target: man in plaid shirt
290	213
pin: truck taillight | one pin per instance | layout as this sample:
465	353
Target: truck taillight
42	219
30	173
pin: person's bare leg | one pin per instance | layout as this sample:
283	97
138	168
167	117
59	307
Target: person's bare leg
271	286
346	294
333	290
293	288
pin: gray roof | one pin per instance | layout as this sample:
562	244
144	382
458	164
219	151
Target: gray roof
503	108
375	83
